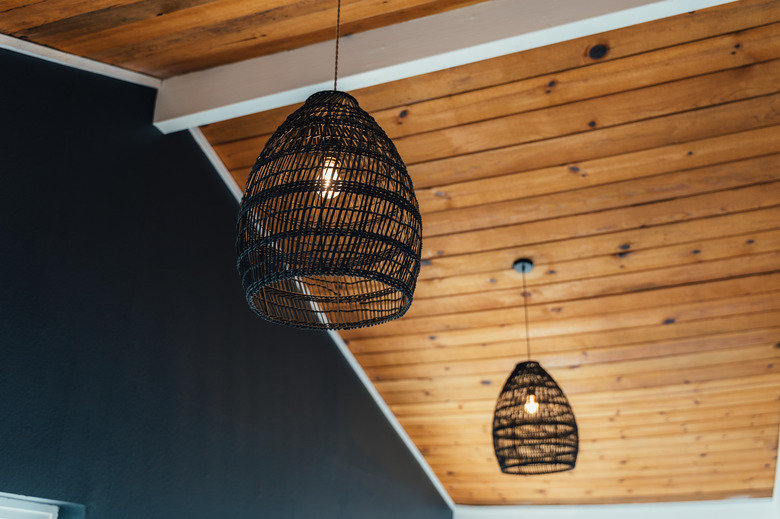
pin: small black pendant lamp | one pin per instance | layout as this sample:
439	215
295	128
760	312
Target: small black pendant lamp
329	230
534	430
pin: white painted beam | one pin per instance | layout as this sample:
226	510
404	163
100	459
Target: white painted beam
71	60
453	38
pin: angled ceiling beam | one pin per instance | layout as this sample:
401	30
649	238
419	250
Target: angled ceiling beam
450	39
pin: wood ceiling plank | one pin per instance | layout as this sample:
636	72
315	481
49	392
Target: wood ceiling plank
597	470
682	275
725	406
495	264
679	469
620	129
598	80
506	362
633	487
98	25
600	479
541	311
600	426
697	58
591	429
575	480
627	262
560	352
253	34
624	373
241	155
602	197
717	453
607	448
695	392
20	16
662	271
572	149
603	112
650	215
570	481
728	439
634	165
438	389
534	62
692	395
476	450
246	18
480	450
512	329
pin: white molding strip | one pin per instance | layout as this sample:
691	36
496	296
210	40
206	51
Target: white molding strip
450	39
71	60
222	170
21	507
335	337
756	508
399	429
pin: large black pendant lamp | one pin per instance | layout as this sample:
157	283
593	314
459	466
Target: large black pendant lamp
534	430
329	231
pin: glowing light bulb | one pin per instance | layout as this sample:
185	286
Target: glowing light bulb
327	178
530	405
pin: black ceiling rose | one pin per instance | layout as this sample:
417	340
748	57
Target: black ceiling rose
329	230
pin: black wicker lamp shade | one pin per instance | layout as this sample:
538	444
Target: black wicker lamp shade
534	431
329	231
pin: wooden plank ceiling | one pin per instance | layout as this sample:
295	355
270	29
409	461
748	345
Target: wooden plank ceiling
164	38
645	184
644	181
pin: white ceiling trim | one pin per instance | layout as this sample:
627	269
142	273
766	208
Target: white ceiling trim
396	425
763	508
71	60
205	146
446	40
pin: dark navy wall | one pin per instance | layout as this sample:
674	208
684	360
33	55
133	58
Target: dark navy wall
133	377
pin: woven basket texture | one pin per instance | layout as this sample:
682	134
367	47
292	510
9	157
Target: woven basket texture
534	443
329	230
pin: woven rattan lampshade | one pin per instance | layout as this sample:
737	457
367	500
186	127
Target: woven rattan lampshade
534	431
329	231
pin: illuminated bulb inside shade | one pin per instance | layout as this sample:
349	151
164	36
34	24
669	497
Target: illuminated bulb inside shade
328	176
530	405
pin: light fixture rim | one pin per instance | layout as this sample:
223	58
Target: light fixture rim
523	265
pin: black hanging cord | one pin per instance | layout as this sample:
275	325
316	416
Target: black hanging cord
338	26
525	306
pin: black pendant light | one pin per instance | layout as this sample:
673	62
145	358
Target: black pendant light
534	430
329	231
